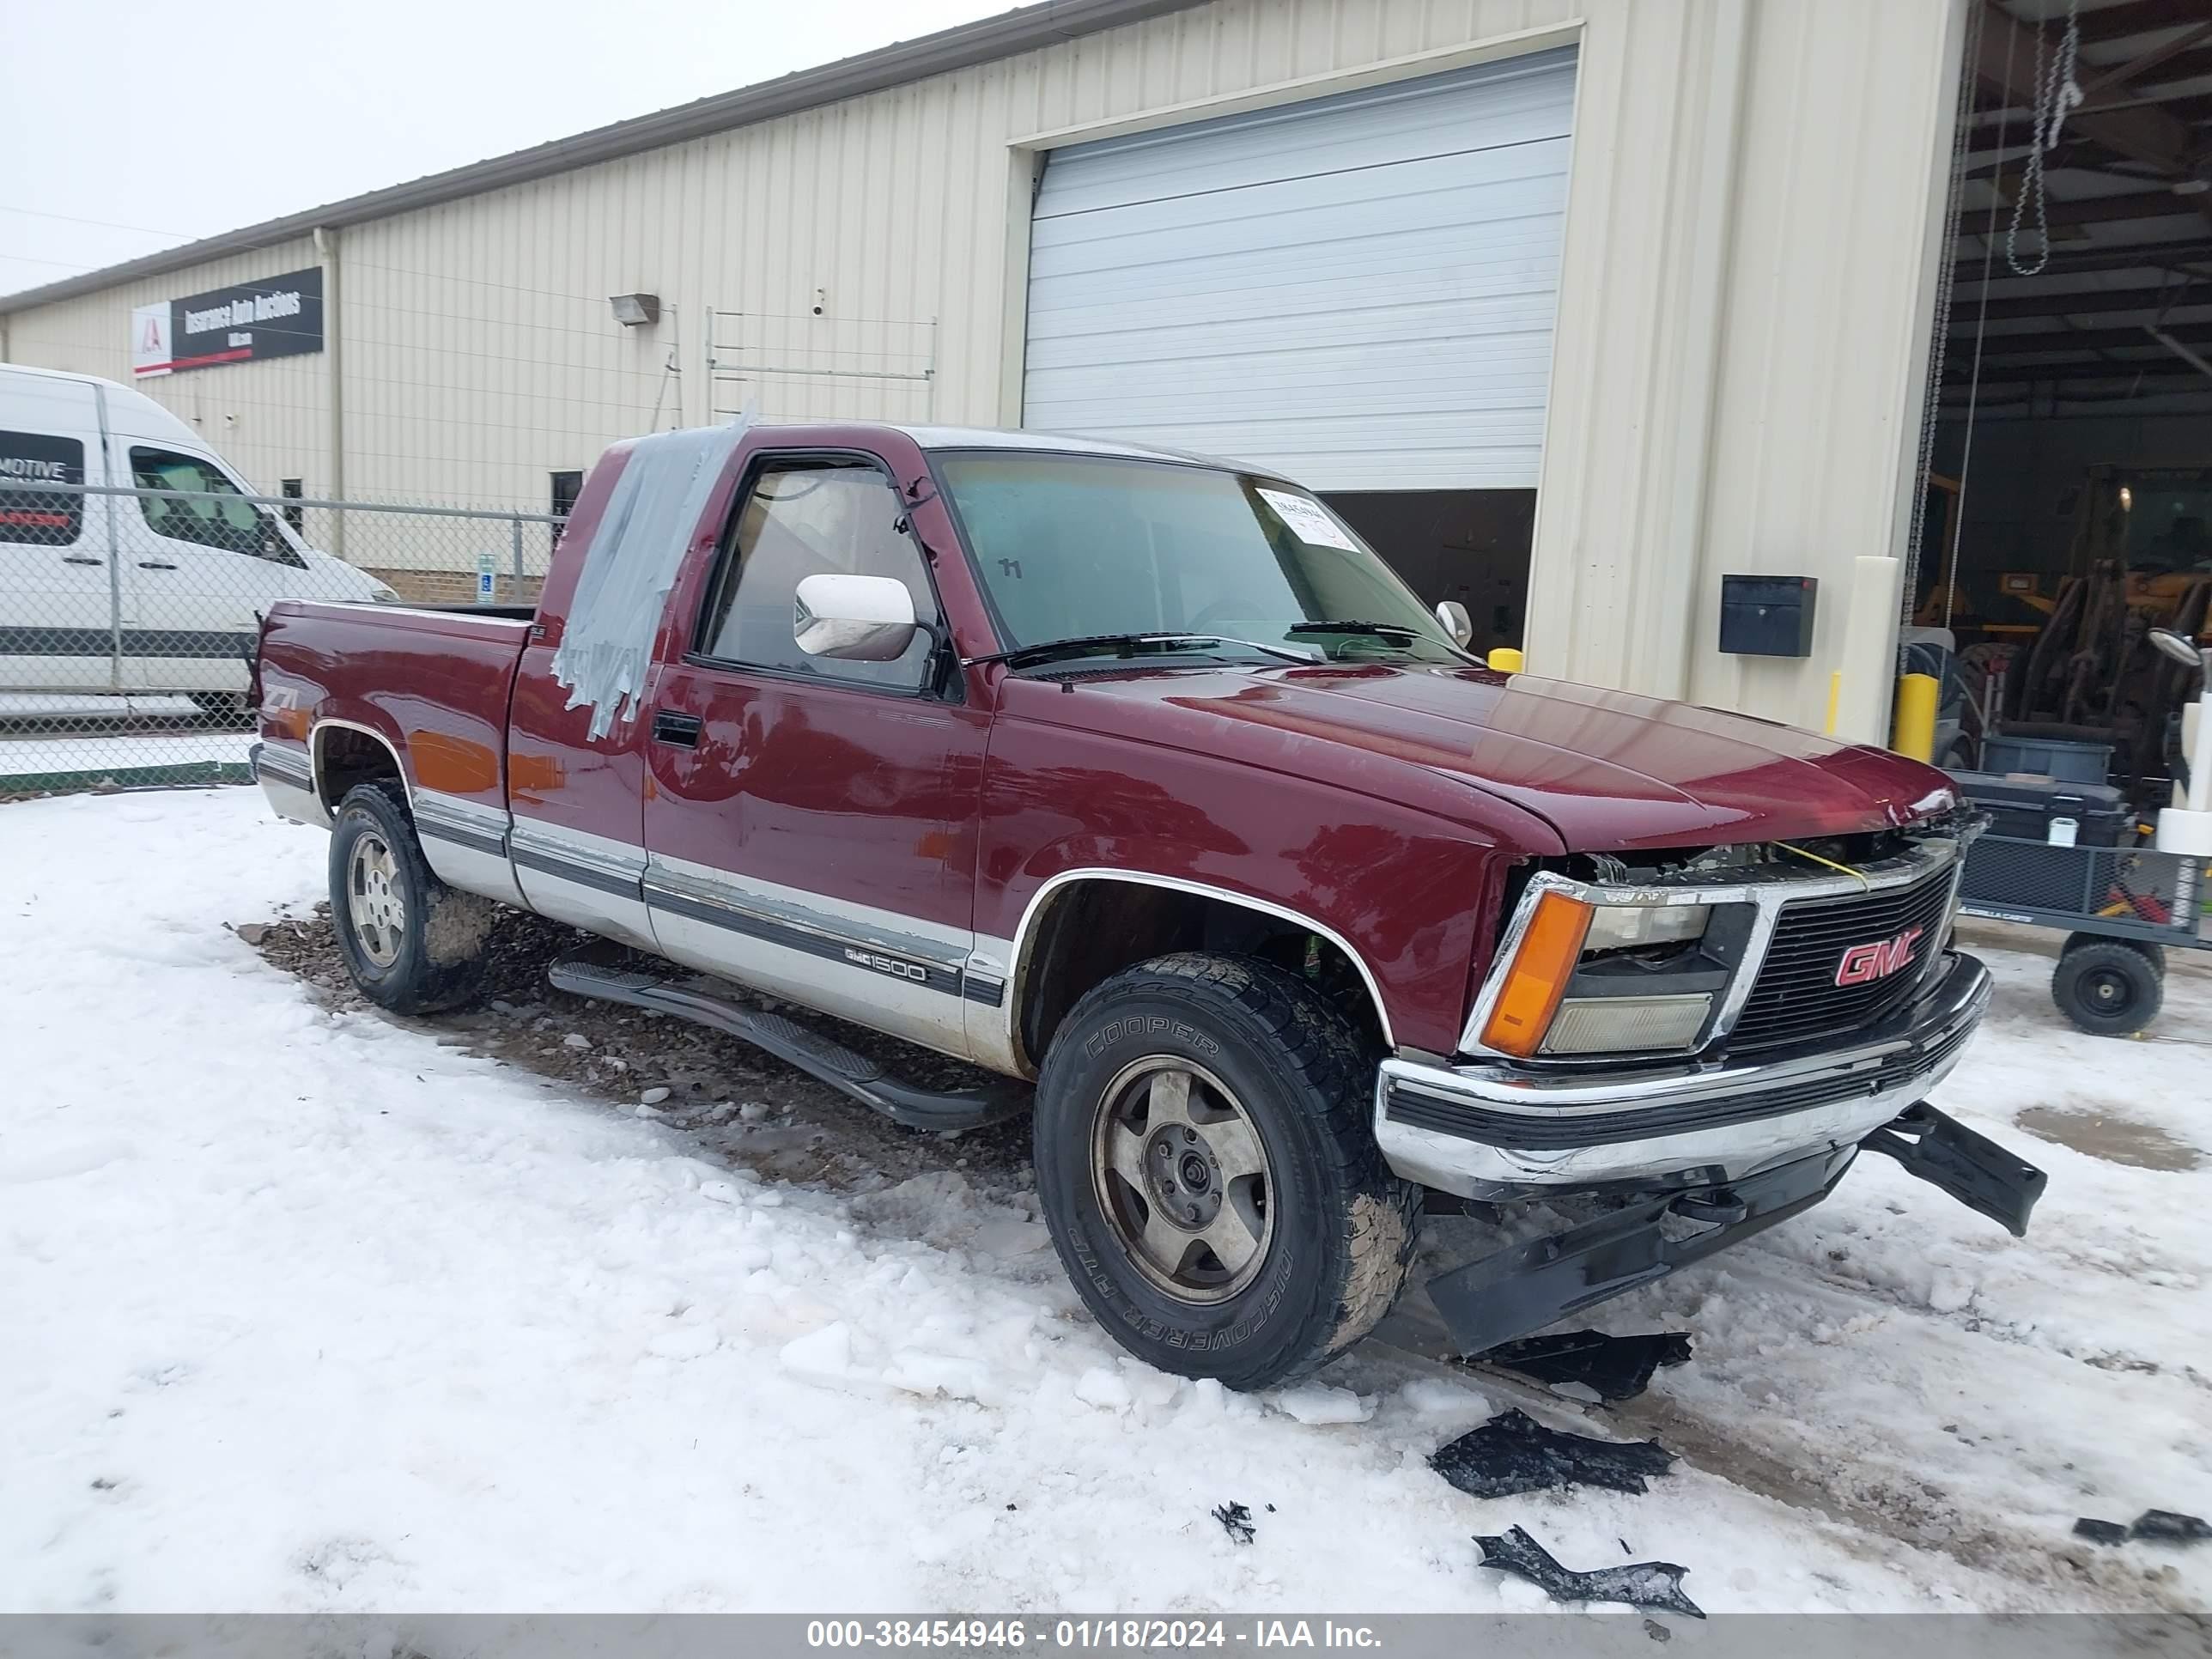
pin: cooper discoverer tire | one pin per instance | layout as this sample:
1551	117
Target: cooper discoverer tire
411	943
1209	1174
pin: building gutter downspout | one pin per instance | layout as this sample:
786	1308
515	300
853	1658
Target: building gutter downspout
326	250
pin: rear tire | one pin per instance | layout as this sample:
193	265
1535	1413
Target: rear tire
412	944
1209	1173
2107	988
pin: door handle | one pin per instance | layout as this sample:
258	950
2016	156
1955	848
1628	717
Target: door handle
79	558
680	730
154	564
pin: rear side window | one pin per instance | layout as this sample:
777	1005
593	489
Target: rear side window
42	517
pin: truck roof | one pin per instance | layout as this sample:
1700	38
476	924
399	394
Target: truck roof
1058	443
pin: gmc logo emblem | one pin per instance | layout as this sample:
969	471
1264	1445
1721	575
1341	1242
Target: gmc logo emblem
1864	963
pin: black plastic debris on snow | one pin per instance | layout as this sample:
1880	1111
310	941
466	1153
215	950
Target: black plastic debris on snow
1656	1585
1613	1367
1236	1521
1514	1453
2152	1525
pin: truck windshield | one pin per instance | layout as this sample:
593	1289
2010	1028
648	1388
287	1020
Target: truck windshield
1069	546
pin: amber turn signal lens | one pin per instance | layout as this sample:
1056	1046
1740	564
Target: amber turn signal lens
1538	975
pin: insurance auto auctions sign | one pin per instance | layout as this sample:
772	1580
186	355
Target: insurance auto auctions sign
280	316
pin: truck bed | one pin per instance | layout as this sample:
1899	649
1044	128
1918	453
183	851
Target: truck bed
430	684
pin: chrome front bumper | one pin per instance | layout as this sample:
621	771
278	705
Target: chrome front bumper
1493	1130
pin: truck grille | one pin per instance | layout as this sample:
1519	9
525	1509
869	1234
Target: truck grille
1795	997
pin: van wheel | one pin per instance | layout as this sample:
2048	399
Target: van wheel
412	944
1209	1174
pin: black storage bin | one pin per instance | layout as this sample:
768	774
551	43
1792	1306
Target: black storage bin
2023	807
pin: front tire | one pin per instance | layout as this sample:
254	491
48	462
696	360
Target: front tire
412	944
1209	1174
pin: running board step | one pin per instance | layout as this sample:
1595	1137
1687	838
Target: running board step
794	1044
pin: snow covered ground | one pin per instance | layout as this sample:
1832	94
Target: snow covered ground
40	735
312	1311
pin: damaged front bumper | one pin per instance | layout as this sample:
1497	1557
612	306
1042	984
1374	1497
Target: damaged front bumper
1498	1131
1519	1290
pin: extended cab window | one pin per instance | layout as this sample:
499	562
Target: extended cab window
235	526
39	518
811	518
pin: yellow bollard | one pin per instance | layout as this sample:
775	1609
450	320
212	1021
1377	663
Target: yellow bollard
1506	660
1835	697
1913	733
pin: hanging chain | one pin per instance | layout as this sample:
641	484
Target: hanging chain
2057	93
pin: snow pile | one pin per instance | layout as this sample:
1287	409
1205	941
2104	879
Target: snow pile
310	1312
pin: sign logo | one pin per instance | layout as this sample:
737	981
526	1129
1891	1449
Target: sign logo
1864	963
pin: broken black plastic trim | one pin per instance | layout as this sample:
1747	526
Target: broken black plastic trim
1522	1290
1612	1367
1513	1453
1655	1584
1973	1169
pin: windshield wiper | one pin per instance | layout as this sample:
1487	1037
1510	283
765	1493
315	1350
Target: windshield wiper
1353	627
1125	644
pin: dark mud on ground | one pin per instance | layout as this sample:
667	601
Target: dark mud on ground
743	1107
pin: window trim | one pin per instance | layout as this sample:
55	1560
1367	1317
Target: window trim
725	572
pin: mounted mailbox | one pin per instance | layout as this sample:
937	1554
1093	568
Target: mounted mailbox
1768	616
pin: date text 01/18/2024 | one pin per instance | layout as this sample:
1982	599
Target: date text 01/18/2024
1088	1633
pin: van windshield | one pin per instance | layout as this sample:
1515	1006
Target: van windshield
1069	546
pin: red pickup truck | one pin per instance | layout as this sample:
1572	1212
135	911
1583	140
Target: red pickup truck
1138	779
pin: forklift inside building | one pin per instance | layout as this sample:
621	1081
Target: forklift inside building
2064	558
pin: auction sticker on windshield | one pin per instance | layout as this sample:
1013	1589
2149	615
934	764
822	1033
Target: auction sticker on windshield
1307	521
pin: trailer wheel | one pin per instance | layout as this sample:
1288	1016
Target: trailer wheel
412	944
2154	954
1209	1174
2107	988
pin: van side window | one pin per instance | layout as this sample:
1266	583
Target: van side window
235	526
34	517
805	518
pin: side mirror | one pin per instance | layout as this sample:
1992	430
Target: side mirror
1457	623
2179	646
853	618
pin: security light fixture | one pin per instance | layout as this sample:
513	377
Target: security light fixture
636	310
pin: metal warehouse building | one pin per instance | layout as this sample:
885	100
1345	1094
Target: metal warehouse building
1574	307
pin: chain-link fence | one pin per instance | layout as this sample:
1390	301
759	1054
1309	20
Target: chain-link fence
128	616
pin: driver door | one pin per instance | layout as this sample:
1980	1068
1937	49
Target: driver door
811	824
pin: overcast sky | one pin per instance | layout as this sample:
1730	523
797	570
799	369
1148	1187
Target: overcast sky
129	126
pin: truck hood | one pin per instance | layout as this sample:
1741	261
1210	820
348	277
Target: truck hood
1609	770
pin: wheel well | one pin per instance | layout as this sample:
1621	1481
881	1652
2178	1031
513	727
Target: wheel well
345	757
1090	930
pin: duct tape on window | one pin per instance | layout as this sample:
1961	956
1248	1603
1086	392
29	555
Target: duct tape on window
637	550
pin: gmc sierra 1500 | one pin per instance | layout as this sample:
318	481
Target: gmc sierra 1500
1140	779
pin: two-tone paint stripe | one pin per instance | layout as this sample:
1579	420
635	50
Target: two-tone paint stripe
280	765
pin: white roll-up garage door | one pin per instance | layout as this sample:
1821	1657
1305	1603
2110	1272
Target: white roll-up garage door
1357	290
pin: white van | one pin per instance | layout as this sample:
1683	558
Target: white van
134	593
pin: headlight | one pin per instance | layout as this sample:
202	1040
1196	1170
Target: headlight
1625	926
379	594
1533	1013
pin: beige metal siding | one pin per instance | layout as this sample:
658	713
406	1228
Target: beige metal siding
1748	256
269	419
1751	244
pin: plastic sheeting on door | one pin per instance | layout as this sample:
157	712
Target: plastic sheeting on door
606	645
